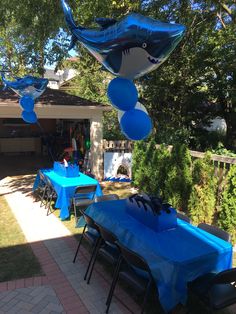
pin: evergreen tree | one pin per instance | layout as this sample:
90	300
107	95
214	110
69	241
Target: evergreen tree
227	215
178	180
202	199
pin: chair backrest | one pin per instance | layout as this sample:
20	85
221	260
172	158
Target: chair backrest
133	258
107	235
41	176
107	197
89	221
183	217
225	277
86	189
215	231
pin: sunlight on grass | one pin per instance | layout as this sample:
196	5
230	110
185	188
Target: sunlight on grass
17	258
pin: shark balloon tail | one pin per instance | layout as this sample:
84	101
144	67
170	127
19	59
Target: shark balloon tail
71	23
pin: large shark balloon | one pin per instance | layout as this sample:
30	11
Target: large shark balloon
130	48
28	88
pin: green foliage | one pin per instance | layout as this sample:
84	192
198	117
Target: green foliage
202	199
30	35
178	180
149	167
227	215
221	150
90	82
111	126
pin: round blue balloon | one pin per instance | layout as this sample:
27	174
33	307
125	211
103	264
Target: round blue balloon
122	93
27	103
136	124
29	117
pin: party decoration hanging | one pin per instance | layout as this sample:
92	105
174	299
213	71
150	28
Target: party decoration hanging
137	106
29	117
28	88
128	49
122	93
136	124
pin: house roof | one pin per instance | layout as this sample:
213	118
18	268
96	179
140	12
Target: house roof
52	97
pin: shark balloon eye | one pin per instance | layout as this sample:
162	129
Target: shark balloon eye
144	45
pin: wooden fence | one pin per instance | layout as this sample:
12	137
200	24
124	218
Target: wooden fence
127	146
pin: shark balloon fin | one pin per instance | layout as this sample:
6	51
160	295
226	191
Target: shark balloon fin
73	41
105	22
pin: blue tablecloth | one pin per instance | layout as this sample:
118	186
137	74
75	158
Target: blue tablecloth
175	256
65	188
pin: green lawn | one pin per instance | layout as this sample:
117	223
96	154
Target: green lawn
17	259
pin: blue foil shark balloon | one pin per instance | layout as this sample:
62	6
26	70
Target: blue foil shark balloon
28	88
130	48
27	85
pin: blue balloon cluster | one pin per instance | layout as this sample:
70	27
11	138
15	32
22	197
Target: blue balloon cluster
28	88
134	121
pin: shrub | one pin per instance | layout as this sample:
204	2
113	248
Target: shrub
178	179
202	199
149	167
227	215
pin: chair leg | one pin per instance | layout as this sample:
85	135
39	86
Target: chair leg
80	241
91	258
113	284
94	260
146	295
43	195
76	218
49	205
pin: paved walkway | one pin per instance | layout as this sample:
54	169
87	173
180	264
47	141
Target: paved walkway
62	289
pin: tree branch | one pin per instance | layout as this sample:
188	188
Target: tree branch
221	20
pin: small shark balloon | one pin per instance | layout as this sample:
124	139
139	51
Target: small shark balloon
27	85
28	88
130	48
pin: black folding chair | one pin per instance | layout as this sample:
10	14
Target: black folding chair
44	188
83	197
107	197
216	291
92	235
183	217
106	248
50	195
39	191
142	284
215	231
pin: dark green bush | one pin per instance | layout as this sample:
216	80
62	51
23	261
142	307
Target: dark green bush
227	215
202	199
178	179
149	167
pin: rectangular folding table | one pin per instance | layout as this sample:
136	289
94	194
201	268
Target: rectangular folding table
65	188
175	256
